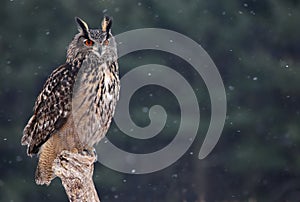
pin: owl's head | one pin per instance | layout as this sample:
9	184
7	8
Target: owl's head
88	40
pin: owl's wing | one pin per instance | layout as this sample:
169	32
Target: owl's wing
51	109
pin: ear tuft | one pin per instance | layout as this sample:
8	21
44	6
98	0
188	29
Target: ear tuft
106	24
82	26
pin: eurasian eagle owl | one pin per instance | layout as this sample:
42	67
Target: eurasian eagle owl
75	107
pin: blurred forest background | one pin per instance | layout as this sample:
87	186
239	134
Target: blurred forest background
254	43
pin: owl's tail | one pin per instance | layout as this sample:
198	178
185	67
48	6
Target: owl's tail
48	152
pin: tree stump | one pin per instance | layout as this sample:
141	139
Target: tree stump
76	173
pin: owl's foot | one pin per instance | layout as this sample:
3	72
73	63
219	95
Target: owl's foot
89	151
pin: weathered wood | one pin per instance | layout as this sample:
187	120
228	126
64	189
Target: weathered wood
76	173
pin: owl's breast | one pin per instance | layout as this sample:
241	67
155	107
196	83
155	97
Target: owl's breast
95	103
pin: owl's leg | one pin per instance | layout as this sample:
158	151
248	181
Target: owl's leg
48	152
81	147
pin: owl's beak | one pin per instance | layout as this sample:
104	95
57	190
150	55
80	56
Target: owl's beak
97	48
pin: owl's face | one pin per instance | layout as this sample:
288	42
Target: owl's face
88	40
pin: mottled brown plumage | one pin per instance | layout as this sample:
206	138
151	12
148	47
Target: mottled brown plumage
74	110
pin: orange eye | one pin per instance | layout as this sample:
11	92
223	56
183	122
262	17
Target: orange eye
88	42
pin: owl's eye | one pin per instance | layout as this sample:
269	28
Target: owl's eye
88	42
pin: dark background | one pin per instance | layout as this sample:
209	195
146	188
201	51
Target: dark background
254	44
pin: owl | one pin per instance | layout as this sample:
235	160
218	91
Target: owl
74	109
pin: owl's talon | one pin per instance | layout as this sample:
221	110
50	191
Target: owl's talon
95	154
89	151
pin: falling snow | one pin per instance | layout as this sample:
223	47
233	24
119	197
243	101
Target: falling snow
231	88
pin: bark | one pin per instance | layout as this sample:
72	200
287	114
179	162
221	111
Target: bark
76	173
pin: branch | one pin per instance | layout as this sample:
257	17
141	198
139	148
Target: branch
76	173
